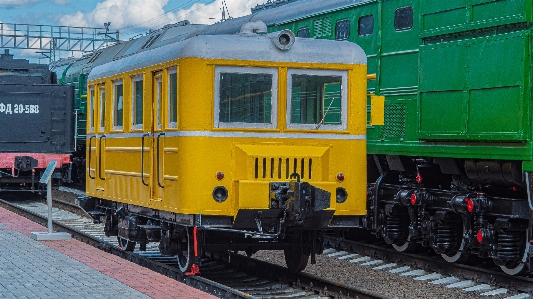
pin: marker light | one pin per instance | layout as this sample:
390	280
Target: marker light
479	236
418	178
220	175
469	204
413	199
340	177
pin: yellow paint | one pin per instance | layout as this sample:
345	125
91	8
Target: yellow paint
377	110
187	165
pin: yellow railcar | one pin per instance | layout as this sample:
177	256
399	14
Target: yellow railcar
242	142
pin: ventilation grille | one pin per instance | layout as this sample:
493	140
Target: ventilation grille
282	168
394	121
322	27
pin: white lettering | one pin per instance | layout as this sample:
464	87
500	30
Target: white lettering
18	108
8	109
2	107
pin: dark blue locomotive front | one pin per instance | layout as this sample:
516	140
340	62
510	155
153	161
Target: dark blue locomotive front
37	121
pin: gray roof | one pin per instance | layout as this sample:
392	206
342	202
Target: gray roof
284	13
239	47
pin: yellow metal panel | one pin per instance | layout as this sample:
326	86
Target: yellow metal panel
377	110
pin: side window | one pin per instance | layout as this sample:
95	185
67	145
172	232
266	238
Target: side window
137	102
92	100
172	98
304	32
245	97
102	109
342	30
118	93
158	89
366	25
403	18
317	99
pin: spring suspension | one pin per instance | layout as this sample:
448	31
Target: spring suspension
397	227
447	235
508	245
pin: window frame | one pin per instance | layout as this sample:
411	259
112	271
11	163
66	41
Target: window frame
247	70
91	97
397	28
102	114
344	99
337	29
113	116
170	72
304	29
359	25
134	80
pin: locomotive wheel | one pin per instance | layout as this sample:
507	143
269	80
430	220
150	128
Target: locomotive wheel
185	259
296	259
125	244
457	255
405	247
518	267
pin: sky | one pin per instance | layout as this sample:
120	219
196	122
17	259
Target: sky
130	17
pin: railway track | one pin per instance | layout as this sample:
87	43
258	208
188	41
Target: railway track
234	276
426	265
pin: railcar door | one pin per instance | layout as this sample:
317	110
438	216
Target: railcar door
99	142
158	140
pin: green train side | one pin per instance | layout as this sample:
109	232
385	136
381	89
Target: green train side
451	168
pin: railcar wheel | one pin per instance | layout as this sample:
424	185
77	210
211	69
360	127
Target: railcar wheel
456	256
185	259
518	267
125	244
296	259
405	247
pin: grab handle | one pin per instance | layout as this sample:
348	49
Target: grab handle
100	159
158	159
142	158
90	151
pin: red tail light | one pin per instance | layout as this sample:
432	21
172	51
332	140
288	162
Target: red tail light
340	177
418	178
220	175
413	199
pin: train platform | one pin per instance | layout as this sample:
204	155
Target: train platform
72	269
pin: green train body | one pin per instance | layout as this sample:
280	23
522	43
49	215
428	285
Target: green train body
456	74
450	168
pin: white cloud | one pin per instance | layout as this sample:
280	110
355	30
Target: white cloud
14	3
60	2
134	15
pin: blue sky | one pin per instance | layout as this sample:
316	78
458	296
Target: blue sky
131	17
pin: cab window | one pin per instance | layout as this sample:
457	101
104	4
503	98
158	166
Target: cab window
403	18
317	99
246	97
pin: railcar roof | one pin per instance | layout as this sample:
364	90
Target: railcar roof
284	13
238	47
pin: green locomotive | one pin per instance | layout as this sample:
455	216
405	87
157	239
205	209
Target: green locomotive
451	168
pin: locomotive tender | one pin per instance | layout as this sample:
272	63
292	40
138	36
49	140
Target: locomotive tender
229	142
451	168
37	121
